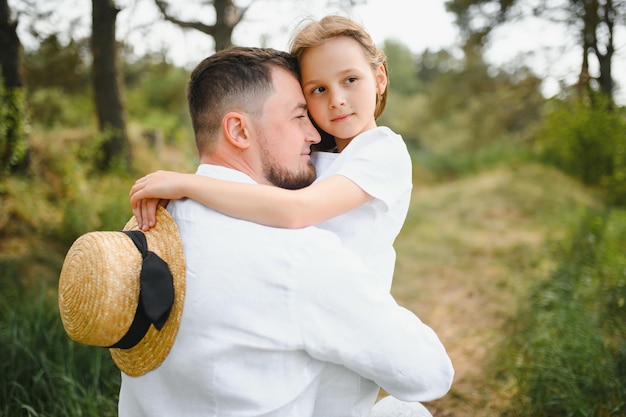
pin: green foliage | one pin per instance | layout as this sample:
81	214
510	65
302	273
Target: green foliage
52	107
156	97
64	197
401	66
156	85
609	274
13	143
462	105
444	166
57	66
587	141
58	83
44	373
568	342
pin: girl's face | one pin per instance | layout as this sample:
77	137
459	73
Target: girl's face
340	87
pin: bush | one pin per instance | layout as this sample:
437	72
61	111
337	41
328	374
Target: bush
13	141
444	166
51	107
587	141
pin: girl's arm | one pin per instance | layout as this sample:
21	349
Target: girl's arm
264	204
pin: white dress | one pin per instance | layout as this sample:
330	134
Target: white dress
377	161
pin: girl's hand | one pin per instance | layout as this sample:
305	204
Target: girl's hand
145	212
156	188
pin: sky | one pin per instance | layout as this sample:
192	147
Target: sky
551	52
271	22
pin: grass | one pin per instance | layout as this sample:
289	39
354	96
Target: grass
43	372
468	255
569	339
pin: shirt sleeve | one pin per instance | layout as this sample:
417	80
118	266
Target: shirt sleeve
380	164
349	323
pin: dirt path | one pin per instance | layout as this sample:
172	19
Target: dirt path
465	255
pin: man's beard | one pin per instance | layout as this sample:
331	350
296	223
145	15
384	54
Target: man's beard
283	178
290	180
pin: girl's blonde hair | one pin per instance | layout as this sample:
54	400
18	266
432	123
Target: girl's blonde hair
316	32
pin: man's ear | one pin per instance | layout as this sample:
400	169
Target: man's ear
236	129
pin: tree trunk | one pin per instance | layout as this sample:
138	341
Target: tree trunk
605	59
13	139
596	17
116	151
224	10
584	78
9	48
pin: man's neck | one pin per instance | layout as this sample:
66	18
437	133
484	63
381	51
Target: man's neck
233	162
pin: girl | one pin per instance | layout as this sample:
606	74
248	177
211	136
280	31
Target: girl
364	179
363	187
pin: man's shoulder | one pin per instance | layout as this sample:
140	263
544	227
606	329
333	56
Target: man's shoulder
191	215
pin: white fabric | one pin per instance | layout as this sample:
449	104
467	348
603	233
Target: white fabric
265	310
392	407
378	162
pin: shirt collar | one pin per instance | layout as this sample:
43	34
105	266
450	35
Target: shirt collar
225	173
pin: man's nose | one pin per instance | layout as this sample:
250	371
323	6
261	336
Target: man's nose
311	133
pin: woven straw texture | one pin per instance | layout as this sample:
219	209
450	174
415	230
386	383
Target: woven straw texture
99	291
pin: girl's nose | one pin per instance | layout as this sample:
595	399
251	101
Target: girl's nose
337	100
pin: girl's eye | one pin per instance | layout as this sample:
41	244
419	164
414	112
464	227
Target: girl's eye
318	90
350	80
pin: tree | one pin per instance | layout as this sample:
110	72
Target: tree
594	21
597	32
227	16
13	144
107	87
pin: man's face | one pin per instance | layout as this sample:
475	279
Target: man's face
285	135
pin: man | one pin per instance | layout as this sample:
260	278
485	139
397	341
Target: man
267	308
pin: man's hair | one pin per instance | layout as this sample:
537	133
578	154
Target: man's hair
236	78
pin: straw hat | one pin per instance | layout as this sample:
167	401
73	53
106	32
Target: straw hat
99	292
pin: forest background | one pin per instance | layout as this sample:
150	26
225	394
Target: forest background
513	249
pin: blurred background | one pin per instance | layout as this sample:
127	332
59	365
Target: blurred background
514	249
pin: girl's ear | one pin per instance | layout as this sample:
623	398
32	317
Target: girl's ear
235	127
381	79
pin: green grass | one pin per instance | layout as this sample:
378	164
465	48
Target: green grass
44	373
567	348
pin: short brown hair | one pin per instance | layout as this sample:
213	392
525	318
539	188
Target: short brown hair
234	78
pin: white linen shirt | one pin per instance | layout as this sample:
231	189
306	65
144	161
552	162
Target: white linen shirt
379	163
265	309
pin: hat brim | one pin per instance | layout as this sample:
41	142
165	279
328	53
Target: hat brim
164	240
